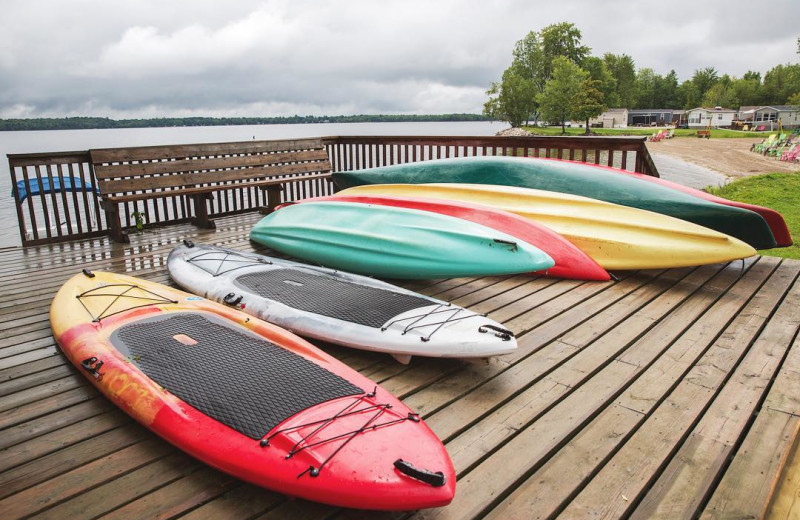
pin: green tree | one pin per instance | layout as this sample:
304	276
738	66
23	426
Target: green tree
780	83
666	91
561	40
721	94
688	95
532	65
598	71
588	102
557	102
513	99
645	89
623	69
704	79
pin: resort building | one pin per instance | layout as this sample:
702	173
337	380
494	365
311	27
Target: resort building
768	116
716	117
650	117
611	118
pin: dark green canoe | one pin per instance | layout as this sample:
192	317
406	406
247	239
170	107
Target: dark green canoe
577	179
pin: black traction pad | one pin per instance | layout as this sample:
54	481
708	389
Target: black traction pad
339	299
231	375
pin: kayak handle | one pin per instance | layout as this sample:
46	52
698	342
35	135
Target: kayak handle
512	245
231	299
429	477
92	365
500	332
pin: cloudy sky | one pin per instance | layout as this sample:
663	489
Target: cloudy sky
158	58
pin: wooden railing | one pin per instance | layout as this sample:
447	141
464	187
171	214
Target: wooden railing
73	209
359	152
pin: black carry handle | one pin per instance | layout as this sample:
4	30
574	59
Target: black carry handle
429	477
188	243
231	299
500	332
512	245
92	365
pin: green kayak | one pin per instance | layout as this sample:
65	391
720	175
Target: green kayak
574	178
394	242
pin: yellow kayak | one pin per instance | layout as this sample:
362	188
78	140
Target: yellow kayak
616	237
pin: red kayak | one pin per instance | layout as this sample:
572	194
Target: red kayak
247	397
570	262
774	219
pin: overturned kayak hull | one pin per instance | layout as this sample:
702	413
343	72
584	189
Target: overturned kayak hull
394	242
575	179
616	237
570	262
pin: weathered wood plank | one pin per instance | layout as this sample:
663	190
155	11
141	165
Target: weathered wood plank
162	152
107	171
70	458
214	179
549	487
616	489
75	482
683	485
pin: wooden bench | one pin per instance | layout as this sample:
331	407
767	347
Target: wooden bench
704	133
196	171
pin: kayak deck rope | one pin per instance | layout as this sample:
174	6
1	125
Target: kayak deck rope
233	260
442	308
350	409
149	298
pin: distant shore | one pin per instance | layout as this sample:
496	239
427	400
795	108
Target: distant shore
94	123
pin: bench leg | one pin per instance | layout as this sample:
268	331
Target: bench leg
201	212
273	198
115	230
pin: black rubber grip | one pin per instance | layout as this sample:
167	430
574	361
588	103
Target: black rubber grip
502	333
423	475
231	299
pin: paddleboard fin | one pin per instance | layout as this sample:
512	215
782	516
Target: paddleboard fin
402	358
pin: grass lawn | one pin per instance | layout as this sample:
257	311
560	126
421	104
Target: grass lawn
680	132
779	191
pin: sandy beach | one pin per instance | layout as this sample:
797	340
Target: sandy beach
730	157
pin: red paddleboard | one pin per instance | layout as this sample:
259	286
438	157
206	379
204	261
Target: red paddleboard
570	262
774	219
247	397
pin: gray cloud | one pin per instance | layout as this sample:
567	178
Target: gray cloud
279	57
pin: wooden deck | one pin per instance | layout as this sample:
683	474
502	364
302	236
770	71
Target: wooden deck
665	394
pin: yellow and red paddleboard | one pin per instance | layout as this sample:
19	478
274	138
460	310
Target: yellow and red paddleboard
248	397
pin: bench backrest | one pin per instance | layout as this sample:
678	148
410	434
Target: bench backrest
197	167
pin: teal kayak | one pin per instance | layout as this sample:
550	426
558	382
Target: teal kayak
394	242
576	179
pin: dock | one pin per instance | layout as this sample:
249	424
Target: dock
662	394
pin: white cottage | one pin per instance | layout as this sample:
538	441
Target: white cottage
768	116
716	117
611	118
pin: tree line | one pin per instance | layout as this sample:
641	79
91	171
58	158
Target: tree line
78	123
553	77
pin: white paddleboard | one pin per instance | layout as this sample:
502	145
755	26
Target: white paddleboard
335	306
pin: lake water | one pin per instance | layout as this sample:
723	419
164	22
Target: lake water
66	140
